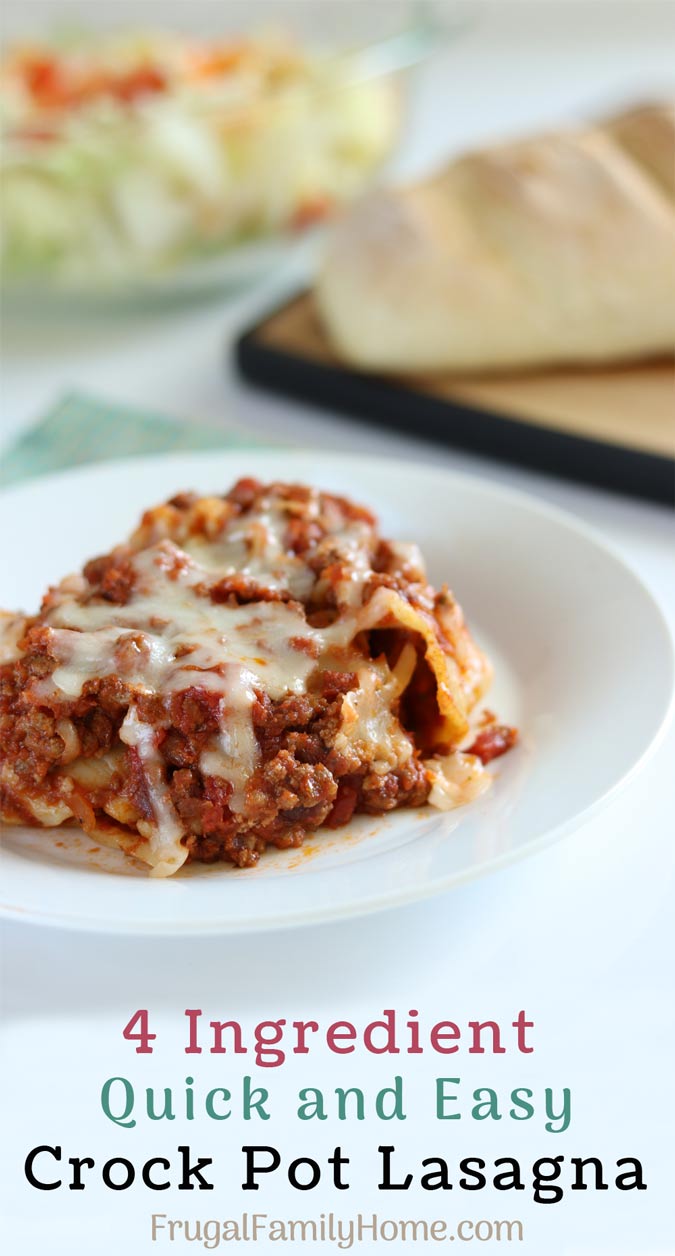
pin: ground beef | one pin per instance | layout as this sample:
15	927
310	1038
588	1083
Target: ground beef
407	787
97	731
35	744
195	711
294	786
301	784
301	534
111	577
238	590
135	785
345	801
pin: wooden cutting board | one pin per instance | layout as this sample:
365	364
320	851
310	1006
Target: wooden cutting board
612	426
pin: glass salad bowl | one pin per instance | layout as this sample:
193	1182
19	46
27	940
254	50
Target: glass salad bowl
146	160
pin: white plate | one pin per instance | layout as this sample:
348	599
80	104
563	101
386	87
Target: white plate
583	663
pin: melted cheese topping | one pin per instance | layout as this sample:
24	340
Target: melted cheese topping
237	749
164	836
170	629
253	547
170	637
456	779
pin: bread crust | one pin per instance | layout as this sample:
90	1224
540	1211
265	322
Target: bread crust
553	250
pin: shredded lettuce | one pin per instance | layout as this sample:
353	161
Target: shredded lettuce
116	189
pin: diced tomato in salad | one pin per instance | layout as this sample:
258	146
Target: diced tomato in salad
212	62
53	85
310	211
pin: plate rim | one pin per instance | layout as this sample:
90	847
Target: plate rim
397	897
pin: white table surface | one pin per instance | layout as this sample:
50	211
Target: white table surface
581	935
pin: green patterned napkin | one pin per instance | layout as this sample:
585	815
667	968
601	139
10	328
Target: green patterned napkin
82	429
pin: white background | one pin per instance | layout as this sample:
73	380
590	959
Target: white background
581	935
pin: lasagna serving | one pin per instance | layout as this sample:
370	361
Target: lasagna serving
243	670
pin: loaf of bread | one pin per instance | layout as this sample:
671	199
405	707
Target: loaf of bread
559	249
